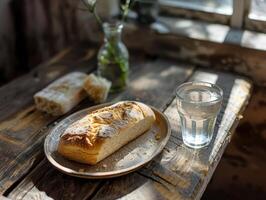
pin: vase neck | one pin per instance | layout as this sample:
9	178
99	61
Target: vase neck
112	32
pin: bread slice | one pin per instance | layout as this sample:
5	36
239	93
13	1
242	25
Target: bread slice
62	95
104	131
97	88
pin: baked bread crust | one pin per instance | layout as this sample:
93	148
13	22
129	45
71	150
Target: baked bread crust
97	88
102	132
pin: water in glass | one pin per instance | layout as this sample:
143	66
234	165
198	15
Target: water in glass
198	104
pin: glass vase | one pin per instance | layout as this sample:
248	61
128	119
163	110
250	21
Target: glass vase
113	57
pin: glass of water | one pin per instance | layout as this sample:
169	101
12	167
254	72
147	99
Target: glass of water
198	104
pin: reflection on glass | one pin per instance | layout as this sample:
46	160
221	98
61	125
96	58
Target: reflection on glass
198	104
258	9
219	6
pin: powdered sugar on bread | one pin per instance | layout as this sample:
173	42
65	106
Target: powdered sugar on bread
103	131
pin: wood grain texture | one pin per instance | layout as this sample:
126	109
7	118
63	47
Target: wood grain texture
149	79
206	45
46	178
179	11
4	198
133	186
22	127
190	170
181	172
18	93
178	173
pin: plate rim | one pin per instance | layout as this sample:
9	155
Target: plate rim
102	175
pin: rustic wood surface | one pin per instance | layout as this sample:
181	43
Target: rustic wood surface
183	173
203	44
4	198
177	173
22	127
148	81
194	168
179	11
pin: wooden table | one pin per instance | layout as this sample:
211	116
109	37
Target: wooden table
178	173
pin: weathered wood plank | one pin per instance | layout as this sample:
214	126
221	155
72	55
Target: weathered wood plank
59	185
176	9
148	81
182	172
182	177
154	82
21	125
207	45
18	93
133	186
193	169
4	198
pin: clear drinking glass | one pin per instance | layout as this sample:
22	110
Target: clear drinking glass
198	104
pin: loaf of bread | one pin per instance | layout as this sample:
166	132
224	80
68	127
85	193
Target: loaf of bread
62	95
97	88
104	131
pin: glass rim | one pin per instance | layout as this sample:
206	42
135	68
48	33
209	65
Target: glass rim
220	92
113	25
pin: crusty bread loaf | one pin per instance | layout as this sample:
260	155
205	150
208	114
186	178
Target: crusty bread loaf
97	88
102	132
62	95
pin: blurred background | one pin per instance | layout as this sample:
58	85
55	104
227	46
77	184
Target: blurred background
33	31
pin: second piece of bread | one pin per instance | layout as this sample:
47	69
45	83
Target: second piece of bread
97	88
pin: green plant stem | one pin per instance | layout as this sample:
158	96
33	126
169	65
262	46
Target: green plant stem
125	10
119	61
92	10
98	19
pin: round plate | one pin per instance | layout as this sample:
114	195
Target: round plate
125	160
